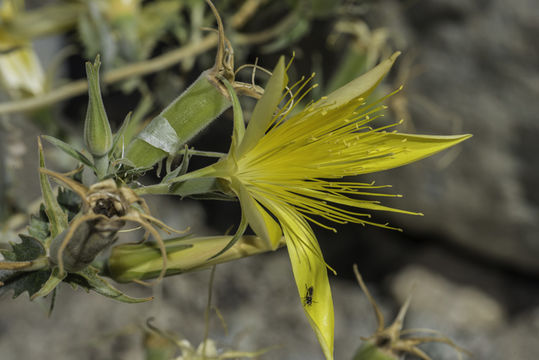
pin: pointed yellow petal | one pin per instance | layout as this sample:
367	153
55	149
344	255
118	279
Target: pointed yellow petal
405	149
361	86
265	107
311	276
259	220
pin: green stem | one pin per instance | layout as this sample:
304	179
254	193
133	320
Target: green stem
206	153
128	262
101	166
164	188
204	172
158	189
141	68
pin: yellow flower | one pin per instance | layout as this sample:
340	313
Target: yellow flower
20	69
281	167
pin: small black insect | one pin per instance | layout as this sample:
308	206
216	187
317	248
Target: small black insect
308	298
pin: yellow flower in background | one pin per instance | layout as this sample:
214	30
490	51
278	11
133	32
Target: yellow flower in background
20	69
281	167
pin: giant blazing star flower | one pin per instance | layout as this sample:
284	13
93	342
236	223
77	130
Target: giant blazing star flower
281	168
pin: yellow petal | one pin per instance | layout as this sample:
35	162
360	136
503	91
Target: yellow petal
361	86
264	108
259	220
405	149
311	276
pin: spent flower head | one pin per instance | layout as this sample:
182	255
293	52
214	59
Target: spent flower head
282	167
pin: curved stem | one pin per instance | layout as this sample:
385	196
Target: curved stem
141	68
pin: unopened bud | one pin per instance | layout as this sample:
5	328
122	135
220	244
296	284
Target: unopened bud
97	132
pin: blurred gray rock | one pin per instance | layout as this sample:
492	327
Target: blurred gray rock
471	318
460	306
475	71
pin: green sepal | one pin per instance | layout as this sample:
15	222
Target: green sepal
69	150
201	187
89	279
181	169
239	233
52	282
97	132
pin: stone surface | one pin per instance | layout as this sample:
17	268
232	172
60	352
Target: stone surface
474	71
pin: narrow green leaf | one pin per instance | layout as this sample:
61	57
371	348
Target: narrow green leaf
119	140
92	281
239	124
57	217
181	169
196	186
239	233
69	150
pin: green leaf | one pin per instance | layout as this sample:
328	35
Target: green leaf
69	201
239	233
28	249
69	150
29	282
120	134
39	225
57	217
52	282
89	280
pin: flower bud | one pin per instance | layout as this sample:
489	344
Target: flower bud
97	132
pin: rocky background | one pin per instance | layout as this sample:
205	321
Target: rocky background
471	262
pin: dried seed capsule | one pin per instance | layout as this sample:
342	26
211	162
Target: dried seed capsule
88	240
